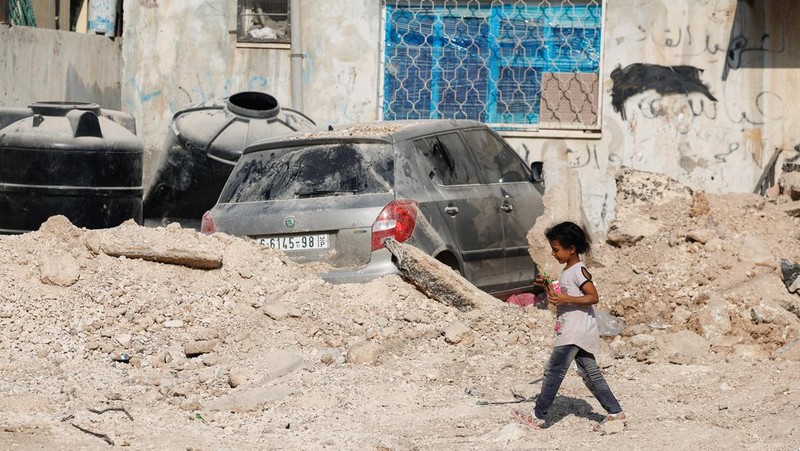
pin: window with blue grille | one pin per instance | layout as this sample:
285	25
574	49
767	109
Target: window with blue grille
499	62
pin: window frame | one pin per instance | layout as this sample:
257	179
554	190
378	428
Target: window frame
242	39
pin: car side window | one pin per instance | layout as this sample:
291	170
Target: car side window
446	160
496	160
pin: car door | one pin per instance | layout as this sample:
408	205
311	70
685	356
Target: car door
517	198
459	203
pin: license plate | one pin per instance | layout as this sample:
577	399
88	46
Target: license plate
297	242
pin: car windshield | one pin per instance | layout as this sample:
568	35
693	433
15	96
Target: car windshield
319	170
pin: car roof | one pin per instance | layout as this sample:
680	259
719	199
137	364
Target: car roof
378	131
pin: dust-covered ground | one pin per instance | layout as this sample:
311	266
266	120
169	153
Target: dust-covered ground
99	351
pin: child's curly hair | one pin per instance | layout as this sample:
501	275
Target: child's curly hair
569	234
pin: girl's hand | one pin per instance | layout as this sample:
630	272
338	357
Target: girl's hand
539	280
556	299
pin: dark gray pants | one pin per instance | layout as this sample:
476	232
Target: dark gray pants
557	368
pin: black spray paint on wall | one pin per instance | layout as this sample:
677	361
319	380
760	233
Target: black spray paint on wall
665	80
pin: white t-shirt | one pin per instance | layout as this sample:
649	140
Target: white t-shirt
576	324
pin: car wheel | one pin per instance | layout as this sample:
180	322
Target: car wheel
451	261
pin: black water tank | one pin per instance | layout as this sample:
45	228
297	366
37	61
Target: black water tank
72	159
204	142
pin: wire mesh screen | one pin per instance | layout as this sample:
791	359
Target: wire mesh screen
263	21
515	63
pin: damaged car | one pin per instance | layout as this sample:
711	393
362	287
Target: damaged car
452	188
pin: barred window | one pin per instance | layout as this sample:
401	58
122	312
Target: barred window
515	63
263	21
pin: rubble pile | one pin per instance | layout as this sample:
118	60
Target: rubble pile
163	338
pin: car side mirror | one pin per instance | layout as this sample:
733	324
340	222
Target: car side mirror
537	169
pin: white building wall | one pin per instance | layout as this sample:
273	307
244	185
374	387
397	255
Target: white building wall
178	52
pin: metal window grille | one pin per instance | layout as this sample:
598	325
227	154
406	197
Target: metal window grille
511	63
263	21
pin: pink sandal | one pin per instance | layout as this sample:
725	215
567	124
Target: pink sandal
528	419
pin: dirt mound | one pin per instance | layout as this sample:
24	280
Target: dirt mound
157	353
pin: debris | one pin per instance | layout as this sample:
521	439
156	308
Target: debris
61	270
112	409
96	434
173	245
438	280
790	271
363	352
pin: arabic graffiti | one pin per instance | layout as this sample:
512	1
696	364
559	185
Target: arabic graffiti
754	32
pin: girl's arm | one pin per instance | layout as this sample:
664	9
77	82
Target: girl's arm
589	297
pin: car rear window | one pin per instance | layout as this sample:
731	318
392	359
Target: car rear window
319	170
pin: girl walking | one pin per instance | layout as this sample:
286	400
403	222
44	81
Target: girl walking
577	336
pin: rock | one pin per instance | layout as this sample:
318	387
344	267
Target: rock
715	321
701	236
750	352
250	400
642	346
714	245
329	356
196	348
279	364
123	339
173	324
641	187
631	230
280	311
789	351
363	352
62	270
756	250
772	313
611	427
619	349
681	315
211	360
791	209
415	316
236	377
684	347
510	433
789	272
790	184
456	333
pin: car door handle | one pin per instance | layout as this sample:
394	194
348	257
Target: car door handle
451	210
506	207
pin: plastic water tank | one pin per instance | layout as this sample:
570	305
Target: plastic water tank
71	159
204	142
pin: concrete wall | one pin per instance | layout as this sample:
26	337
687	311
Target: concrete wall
179	52
715	136
41	65
714	132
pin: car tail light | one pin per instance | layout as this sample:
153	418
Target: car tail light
397	220
207	224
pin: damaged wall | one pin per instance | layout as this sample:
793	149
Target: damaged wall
696	89
182	52
47	65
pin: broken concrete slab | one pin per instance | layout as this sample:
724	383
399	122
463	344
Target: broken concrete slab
249	400
178	247
438	280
